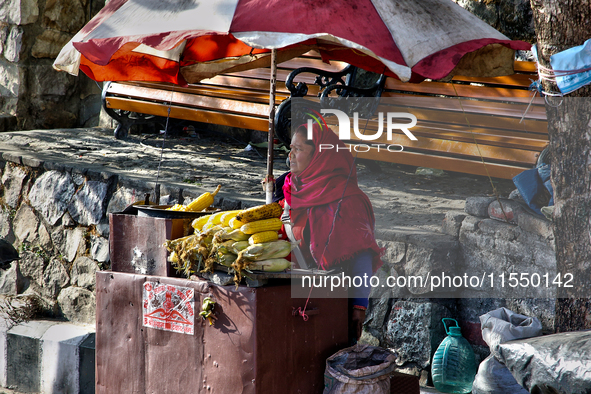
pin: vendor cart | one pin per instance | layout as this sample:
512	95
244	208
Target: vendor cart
151	338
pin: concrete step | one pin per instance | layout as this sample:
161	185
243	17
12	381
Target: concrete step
47	357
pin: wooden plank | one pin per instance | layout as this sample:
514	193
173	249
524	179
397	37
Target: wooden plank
479	136
153	93
523	67
512	109
521	81
458	90
197	115
446	147
191	100
471	119
466	166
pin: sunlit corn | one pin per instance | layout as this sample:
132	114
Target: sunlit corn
261	212
227	216
203	201
264	236
235	223
261	225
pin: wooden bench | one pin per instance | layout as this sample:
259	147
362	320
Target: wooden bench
460	123
463	123
237	100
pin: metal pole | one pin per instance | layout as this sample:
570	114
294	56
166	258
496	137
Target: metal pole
269	180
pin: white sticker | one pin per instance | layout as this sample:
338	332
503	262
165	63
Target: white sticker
169	308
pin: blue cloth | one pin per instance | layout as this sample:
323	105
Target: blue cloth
532	183
360	266
529	185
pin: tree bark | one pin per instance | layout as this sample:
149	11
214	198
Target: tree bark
561	25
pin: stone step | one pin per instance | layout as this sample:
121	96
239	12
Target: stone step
7	123
47	357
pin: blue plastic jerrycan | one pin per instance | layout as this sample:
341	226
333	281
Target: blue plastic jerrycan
454	365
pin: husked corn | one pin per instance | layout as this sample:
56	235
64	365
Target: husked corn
235	223
216	218
227	216
262	225
264	236
261	212
203	201
198	223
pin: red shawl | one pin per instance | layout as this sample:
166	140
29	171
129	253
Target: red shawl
314	196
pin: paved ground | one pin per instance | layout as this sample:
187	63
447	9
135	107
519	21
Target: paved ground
403	200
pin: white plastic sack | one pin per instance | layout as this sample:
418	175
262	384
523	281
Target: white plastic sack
500	326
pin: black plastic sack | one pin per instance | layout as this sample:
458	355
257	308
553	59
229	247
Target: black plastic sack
360	369
551	364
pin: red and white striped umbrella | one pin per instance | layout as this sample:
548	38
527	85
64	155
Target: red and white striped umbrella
183	41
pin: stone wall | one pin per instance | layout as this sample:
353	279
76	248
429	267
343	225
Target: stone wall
32	32
408	320
57	218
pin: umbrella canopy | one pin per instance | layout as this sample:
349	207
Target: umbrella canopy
182	41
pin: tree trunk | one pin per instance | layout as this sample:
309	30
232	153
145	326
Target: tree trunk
561	25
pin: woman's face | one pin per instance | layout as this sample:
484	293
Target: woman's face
300	155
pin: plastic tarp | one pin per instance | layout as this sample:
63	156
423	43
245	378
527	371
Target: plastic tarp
550	364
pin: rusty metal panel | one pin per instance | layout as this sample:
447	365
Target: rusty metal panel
291	352
256	345
136	243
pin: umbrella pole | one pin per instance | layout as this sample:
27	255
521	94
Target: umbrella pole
269	180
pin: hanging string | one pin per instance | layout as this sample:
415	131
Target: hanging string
163	141
496	193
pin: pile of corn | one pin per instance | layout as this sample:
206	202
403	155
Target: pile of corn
242	240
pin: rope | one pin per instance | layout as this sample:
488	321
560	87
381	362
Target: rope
163	141
481	157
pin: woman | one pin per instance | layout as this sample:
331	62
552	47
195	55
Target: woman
330	214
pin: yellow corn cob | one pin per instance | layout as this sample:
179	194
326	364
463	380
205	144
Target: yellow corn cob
235	223
261	225
215	218
261	212
176	207
227	216
203	201
198	223
264	236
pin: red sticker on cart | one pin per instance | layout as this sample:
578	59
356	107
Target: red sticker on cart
169	308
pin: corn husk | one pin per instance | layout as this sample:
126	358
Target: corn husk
228	233
270	265
267	250
239	246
